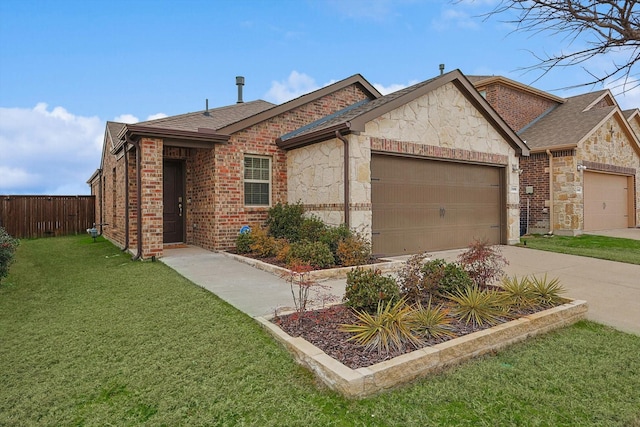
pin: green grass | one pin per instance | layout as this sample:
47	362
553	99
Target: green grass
88	337
603	247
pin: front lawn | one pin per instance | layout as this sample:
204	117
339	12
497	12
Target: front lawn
603	247
88	337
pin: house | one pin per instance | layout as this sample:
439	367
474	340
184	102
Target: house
582	174
429	167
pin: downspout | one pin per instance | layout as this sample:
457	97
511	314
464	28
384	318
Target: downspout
126	198
345	143
136	144
550	191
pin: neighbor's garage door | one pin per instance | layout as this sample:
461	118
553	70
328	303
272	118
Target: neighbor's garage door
606	201
425	205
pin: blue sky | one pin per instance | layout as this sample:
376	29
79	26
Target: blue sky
66	67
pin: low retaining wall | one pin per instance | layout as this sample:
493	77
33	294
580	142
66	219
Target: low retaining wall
329	273
362	382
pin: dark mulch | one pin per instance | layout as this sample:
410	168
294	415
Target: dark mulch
321	328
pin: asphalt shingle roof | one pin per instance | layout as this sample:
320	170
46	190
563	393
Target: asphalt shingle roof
214	118
567	123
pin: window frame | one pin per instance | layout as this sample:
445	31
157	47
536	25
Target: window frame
246	180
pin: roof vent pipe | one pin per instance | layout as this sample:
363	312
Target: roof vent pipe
441	69
240	83
206	106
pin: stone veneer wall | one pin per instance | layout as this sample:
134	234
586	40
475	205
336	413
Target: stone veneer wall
516	107
441	124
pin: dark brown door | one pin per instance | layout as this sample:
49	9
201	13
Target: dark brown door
173	199
426	205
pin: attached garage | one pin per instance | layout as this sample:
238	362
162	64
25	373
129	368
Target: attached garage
423	205
607	198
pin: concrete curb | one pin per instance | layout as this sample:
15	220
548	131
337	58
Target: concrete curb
363	382
388	266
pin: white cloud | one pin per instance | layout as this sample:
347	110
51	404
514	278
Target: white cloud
47	151
295	85
126	118
393	87
157	116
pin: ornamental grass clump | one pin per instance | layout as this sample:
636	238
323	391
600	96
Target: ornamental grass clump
431	321
519	292
547	293
479	307
388	329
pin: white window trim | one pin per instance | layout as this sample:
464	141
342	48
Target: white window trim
260	181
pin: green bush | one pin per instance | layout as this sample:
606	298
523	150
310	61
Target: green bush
284	221
366	288
8	247
411	277
454	277
316	254
244	242
332	236
312	229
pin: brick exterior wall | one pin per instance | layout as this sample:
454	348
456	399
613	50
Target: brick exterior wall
536	175
214	185
516	107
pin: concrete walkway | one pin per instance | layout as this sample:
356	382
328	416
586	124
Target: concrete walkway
612	289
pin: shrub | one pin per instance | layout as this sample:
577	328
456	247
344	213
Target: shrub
304	290
316	254
366	288
263	244
244	242
547	293
354	249
388	328
312	228
411	277
518	292
284	221
431	322
483	262
478	306
8	247
332	236
445	277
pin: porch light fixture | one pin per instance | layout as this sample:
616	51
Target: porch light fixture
516	169
582	168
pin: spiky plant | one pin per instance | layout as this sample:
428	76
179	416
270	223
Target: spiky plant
388	328
518	292
431	322
478	306
547	293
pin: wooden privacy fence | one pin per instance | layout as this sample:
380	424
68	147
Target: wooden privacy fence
44	216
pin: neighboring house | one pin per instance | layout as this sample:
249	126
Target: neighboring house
428	167
582	174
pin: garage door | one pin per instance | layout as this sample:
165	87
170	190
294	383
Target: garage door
606	201
426	205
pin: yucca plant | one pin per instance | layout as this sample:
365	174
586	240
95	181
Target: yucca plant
518	292
388	328
478	306
431	322
547	293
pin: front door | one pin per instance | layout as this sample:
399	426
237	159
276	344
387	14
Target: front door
173	199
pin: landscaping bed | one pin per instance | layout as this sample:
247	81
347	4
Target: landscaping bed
395	369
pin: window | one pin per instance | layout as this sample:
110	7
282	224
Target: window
257	181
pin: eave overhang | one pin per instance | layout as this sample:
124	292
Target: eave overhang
314	137
202	138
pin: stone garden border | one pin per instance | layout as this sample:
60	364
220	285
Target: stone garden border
363	382
387	266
